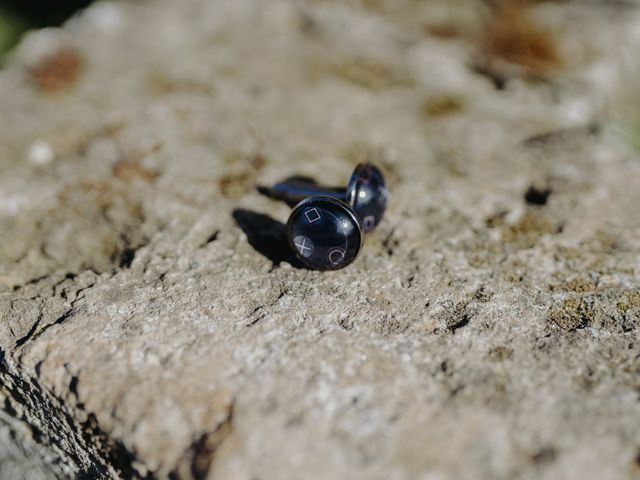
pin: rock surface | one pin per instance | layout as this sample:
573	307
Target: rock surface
155	325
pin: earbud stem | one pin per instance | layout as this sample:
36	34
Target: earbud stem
296	191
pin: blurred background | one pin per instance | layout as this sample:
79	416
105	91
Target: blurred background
18	16
512	43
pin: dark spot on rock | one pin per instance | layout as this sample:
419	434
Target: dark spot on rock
243	161
73	385
537	196
588	379
126	257
307	24
498	79
390	242
392	325
255	316
500	353
407	282
496	220
346	323
445	367
236	184
211	238
443	30
513	37
482	294
131	169
57	71
561	135
161	83
459	317
544	455
258	161
463	321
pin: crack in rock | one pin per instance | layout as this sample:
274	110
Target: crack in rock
79	449
200	456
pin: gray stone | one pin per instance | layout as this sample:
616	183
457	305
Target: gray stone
153	322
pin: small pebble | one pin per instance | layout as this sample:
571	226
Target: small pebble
41	153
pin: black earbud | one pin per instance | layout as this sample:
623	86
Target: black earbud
325	232
366	192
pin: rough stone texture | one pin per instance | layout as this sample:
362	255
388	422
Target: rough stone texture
153	323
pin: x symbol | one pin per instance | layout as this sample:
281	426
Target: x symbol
304	245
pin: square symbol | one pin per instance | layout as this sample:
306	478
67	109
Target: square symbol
313	215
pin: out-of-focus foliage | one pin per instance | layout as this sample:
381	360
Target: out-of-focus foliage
11	26
40	13
17	16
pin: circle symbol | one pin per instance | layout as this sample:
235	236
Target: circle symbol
336	255
369	222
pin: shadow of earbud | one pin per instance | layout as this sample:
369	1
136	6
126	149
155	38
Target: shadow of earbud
267	236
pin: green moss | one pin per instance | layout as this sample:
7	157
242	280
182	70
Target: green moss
500	353
629	131
443	105
526	232
579	284
11	27
571	315
630	300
